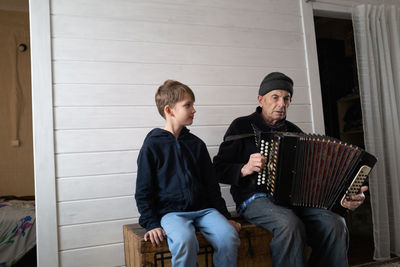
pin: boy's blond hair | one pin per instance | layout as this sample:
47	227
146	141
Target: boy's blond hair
170	93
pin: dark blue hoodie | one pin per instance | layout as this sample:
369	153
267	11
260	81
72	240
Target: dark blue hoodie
174	175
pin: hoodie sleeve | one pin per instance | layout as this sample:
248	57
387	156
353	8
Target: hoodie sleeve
145	190
213	189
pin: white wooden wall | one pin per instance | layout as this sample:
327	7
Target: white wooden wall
109	56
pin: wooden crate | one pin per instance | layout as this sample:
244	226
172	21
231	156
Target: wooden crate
253	250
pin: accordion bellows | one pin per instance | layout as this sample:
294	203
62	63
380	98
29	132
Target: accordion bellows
311	170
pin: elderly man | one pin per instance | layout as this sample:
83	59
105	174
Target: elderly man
238	163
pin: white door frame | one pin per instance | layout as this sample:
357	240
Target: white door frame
43	134
328	8
340	9
310	47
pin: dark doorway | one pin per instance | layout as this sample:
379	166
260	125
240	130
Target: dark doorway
342	114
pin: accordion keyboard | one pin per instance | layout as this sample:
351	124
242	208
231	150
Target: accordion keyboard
358	181
262	179
267	176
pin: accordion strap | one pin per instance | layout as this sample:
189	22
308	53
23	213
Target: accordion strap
237	136
256	132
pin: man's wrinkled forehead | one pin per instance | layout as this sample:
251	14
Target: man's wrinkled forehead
279	92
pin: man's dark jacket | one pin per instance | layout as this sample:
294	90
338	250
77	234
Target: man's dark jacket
174	175
233	155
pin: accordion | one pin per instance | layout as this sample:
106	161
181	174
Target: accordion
311	170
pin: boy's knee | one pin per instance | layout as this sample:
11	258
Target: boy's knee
184	248
228	239
186	240
231	238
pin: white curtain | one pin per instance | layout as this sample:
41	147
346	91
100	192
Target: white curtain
377	37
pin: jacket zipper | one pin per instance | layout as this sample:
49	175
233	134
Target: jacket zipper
186	180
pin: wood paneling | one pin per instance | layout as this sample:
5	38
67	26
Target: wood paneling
109	57
149	31
106	186
72	95
94	256
97	7
173	53
80	164
136	73
261	14
100	186
96	210
88	234
97	140
146	116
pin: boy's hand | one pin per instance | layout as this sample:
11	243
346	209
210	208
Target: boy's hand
355	200
156	236
235	225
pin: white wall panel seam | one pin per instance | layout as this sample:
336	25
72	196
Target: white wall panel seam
203	4
85	247
96	198
175	64
190	44
170	22
96	223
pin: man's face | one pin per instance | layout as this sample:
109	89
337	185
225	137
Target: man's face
274	105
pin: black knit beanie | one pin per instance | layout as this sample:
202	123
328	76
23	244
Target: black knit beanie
276	81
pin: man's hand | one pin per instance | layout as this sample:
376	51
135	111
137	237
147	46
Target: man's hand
236	225
255	164
156	236
355	200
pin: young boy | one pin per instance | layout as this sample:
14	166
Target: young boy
176	188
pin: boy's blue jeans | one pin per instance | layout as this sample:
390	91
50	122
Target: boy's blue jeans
183	244
326	232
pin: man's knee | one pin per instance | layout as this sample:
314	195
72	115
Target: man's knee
290	226
334	225
329	229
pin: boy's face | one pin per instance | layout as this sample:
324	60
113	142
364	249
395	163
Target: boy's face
183	111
